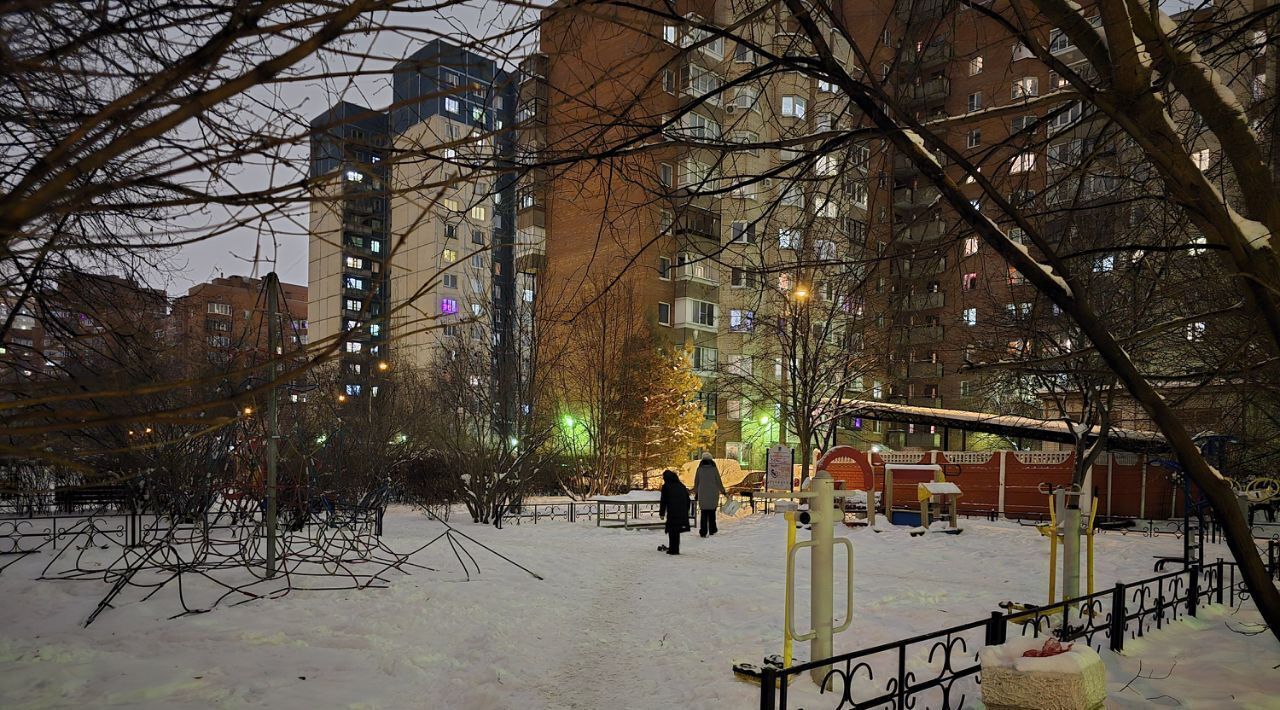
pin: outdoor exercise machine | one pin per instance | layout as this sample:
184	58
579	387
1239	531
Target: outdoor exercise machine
821	517
1057	534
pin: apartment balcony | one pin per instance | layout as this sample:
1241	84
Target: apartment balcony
931	370
904	167
933	91
534	67
531	217
926	301
697	222
531	256
934	402
920	234
929	56
917	198
920	10
924	334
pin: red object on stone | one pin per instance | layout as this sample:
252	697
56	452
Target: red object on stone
1051	648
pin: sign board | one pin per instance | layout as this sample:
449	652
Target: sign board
778	468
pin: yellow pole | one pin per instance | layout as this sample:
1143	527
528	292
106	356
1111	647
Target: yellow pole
786	626
1053	553
1089	534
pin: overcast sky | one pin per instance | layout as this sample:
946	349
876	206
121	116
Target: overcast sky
281	244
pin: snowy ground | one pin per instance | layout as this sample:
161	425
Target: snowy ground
614	625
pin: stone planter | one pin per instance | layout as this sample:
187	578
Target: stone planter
1074	680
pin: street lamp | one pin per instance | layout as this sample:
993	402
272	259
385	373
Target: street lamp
383	366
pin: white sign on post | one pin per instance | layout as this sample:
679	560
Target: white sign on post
778	468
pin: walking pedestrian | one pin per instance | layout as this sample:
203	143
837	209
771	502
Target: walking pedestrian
708	487
673	505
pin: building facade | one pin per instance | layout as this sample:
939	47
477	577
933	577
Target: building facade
411	243
732	195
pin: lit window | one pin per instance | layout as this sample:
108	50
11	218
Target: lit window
970	281
1195	331
970	246
788	238
451	104
969	316
975	66
478	213
448	306
1025	88
793	106
354	347
741	321
450	204
1022	163
354	176
354	262
449	255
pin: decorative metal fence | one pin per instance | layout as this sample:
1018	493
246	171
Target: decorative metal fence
942	670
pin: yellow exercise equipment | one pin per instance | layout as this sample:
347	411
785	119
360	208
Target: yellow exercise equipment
1057	536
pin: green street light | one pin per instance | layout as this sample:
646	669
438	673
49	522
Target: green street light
764	420
568	421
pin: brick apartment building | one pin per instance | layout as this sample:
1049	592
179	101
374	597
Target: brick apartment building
82	324
224	321
724	215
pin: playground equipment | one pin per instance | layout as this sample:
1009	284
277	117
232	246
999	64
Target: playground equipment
821	544
931	472
942	496
1056	533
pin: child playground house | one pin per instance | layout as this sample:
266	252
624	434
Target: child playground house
1009	482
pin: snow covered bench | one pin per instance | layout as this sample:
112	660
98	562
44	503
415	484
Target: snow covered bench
636	510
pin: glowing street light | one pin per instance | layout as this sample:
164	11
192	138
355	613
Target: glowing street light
248	411
383	366
342	398
800	293
568	421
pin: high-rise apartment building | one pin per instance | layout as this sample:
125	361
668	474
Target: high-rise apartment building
719	190
411	246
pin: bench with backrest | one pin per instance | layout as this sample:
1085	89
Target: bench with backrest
71	499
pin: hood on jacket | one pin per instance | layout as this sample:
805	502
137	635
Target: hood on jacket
669	476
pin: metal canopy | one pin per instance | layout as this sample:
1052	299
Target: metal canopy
1002	424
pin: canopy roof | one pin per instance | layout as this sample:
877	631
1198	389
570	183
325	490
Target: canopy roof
1003	424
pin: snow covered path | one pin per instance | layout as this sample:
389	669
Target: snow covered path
616	625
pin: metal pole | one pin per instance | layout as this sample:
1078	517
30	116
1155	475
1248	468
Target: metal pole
821	573
273	420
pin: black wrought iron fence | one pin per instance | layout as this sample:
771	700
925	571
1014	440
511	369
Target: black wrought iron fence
941	669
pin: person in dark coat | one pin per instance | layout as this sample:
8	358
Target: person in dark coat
708	487
673	506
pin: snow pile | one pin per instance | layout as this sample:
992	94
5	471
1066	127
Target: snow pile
1071	680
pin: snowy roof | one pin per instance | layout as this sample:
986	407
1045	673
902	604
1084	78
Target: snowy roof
1003	424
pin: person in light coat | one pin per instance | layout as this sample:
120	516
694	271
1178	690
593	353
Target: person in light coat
708	487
